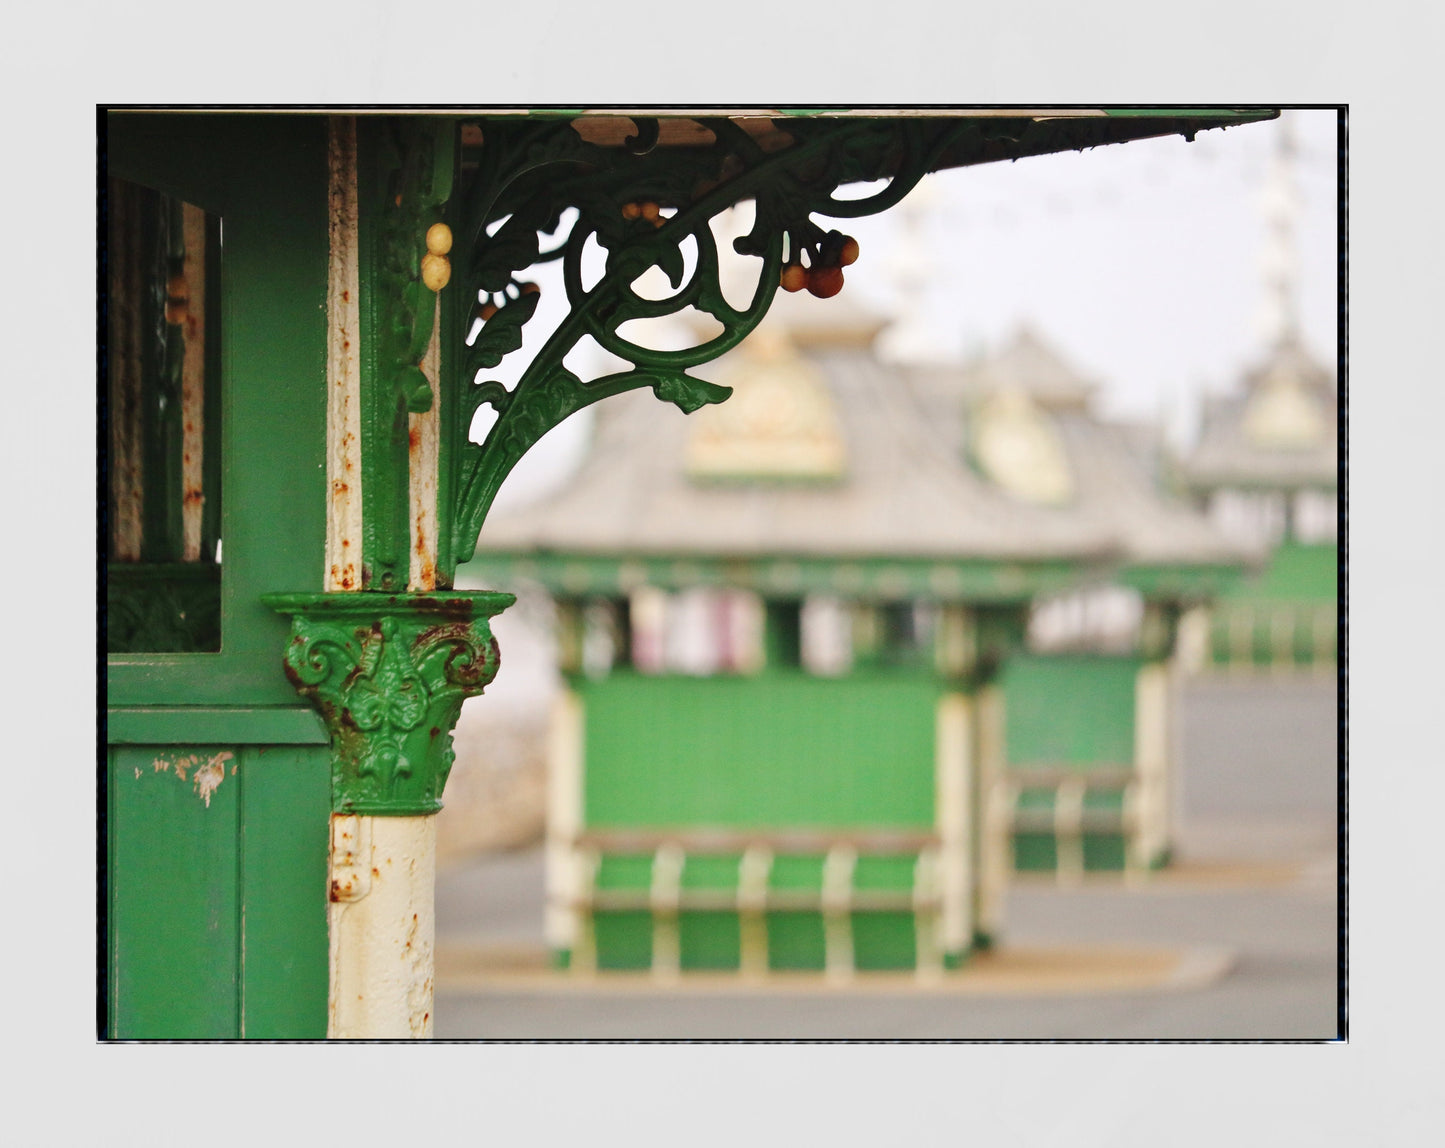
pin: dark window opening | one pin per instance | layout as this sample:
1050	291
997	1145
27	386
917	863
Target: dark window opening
163	415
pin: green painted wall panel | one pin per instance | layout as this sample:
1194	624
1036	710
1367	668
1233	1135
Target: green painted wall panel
1297	571
796	941
1070	709
1104	852
797	871
883	940
1035	852
174	921
623	939
286	799
157	725
709	941
776	750
217	913
711	871
884	872
624	871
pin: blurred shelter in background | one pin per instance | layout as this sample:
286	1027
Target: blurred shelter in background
788	626
1266	469
1093	703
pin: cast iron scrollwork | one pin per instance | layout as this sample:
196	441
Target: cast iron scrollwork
642	203
388	675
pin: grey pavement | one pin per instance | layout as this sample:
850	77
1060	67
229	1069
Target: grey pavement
1260	787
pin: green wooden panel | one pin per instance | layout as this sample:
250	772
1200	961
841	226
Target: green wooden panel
217	913
1035	852
884	872
797	871
623	939
1070	709
884	940
796	941
775	750
709	941
624	871
1297	571
286	798
158	725
711	871
1104	852
173	898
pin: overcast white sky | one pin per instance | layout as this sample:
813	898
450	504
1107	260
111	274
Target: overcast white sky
1140	262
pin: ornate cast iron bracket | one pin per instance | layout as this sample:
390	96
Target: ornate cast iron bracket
641	203
388	674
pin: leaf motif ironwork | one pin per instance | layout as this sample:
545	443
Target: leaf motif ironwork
389	682
529	174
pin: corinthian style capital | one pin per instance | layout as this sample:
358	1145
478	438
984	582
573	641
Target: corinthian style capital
388	673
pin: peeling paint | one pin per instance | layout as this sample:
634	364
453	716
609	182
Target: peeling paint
343	421
205	771
193	385
210	775
424	439
382	949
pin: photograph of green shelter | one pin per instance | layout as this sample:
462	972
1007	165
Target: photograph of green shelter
1092	703
785	622
299	312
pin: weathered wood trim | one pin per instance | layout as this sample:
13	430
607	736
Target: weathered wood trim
193	384
197	725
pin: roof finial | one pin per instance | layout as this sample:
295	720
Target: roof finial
1280	203
912	266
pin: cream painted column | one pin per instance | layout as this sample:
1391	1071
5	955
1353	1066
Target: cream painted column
566	880
381	916
997	810
954	815
382	926
1151	758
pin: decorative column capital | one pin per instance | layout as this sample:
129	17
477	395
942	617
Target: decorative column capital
388	673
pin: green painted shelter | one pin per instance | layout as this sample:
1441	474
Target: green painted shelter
781	618
299	312
1092	703
1266	470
